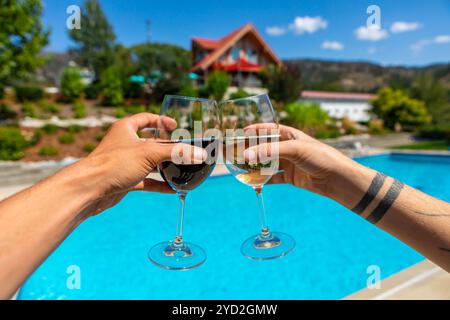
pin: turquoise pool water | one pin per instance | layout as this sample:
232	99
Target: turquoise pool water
334	246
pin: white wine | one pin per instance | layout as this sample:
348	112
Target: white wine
252	174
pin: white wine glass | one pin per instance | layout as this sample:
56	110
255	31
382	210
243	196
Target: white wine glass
240	131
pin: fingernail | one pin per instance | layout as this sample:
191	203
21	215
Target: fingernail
199	154
250	155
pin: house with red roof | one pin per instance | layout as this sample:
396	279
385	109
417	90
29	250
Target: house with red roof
243	54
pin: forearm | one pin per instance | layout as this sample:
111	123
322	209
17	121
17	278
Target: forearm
417	219
35	221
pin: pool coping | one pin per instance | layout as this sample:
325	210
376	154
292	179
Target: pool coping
421	281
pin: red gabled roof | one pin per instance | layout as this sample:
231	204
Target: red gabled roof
207	44
336	95
220	46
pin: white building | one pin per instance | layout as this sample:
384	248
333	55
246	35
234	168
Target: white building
355	106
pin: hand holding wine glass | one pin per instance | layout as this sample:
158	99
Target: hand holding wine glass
195	120
240	118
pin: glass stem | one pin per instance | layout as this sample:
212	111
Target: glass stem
262	212
179	235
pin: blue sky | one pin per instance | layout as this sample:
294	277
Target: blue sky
413	32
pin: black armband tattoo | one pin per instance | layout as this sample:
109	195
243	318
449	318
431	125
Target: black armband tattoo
371	193
385	204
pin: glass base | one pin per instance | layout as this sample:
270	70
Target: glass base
266	247
172	256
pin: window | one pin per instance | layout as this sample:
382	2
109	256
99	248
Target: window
252	56
235	53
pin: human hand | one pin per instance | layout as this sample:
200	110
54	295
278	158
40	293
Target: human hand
305	162
122	160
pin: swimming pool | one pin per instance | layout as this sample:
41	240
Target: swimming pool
334	246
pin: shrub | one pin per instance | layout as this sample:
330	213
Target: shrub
67	138
48	151
106	126
79	110
154	108
88	147
28	93
217	84
12	143
435	132
188	90
74	128
29	110
239	94
120	113
376	127
349	126
306	116
6	112
111	84
71	84
50	128
92	91
99	137
50	107
133	109
134	90
331	133
35	138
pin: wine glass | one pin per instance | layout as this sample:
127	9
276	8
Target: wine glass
197	124
240	130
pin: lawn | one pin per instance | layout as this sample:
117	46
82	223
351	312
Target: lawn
425	145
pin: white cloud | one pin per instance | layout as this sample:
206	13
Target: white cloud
308	24
371	33
275	31
332	45
401	26
442	39
421	44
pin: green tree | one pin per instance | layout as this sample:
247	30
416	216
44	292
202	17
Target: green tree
283	85
71	84
111	84
21	39
217	84
95	39
165	67
431	91
395	106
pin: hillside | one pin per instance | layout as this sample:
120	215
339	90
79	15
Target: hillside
360	76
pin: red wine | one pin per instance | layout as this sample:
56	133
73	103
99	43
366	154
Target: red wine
185	177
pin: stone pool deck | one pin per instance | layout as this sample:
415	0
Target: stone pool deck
421	281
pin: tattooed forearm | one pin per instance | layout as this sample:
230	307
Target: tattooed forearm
371	193
386	203
442	215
